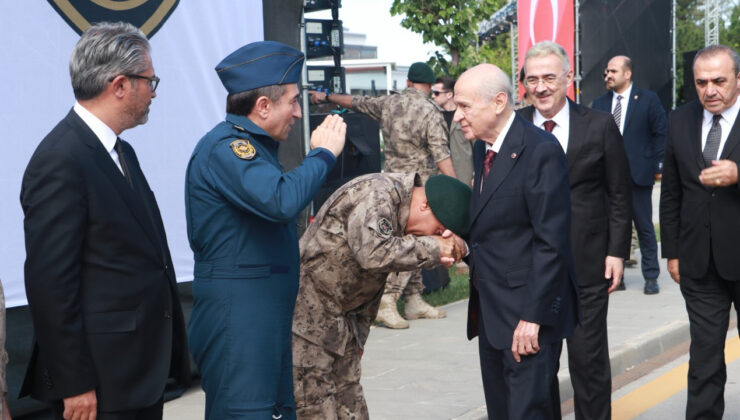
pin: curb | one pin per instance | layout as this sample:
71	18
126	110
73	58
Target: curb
622	358
633	352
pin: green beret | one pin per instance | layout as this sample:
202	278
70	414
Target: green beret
449	200
421	73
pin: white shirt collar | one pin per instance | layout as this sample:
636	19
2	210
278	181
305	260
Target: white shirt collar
496	146
562	118
729	115
101	130
625	95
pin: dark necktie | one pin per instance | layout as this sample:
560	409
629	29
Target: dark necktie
549	125
618	111
713	138
122	160
487	163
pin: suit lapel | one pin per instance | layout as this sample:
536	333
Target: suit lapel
632	103
732	140
696	126
578	124
510	150
105	164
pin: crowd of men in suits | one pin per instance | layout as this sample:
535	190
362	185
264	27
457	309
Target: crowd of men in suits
555	189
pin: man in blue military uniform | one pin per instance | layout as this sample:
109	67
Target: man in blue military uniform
241	213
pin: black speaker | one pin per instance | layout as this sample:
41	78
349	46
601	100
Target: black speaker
361	154
688	90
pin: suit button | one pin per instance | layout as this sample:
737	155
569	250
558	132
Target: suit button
166	267
168	315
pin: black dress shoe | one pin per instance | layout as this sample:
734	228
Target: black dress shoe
651	287
621	286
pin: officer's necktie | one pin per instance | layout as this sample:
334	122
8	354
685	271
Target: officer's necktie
713	138
549	125
122	160
618	111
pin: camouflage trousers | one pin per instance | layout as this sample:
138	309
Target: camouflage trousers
326	385
407	283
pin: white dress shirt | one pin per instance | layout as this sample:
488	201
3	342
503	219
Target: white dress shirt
562	124
726	122
625	102
102	132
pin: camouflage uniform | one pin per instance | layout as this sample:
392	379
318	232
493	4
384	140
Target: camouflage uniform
355	240
415	136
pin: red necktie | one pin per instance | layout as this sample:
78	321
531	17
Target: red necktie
487	163
549	125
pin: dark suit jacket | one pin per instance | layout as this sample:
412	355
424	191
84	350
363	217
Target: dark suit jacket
600	191
519	243
695	219
99	277
644	133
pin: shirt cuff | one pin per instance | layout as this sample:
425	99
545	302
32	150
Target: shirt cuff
327	156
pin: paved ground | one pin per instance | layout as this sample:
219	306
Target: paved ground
431	371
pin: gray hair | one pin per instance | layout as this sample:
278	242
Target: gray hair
106	50
713	50
545	48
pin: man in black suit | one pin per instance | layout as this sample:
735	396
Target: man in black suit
108	326
642	122
523	299
699	223
600	182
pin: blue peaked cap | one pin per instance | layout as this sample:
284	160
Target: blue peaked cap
260	64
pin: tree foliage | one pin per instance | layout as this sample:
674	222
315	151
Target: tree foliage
452	25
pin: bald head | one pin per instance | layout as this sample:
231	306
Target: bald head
489	81
618	73
484	101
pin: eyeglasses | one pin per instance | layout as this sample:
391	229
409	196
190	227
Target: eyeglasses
153	81
439	92
549	80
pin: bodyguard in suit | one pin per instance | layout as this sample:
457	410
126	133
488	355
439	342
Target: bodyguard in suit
599	179
242	210
699	223
102	292
642	122
523	299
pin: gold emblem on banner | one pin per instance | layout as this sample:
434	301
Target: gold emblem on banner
243	149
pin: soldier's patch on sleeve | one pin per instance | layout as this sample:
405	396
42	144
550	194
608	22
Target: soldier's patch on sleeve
243	149
384	227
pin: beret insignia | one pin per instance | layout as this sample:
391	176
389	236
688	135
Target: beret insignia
384	227
243	149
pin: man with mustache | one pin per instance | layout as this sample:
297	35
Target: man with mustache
242	213
601	201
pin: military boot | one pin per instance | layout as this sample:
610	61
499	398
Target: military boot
388	313
416	308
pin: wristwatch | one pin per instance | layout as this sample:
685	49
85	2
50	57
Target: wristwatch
327	96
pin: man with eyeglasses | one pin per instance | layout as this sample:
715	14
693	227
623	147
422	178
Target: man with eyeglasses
108	328
461	149
601	200
415	136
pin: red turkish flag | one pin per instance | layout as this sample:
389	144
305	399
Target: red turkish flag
546	20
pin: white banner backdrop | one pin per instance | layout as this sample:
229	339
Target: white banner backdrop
34	56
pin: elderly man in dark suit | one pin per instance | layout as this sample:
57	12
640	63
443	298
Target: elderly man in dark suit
601	207
523	298
642	122
108	326
699	223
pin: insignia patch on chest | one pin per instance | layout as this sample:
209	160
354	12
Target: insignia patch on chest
243	149
384	227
